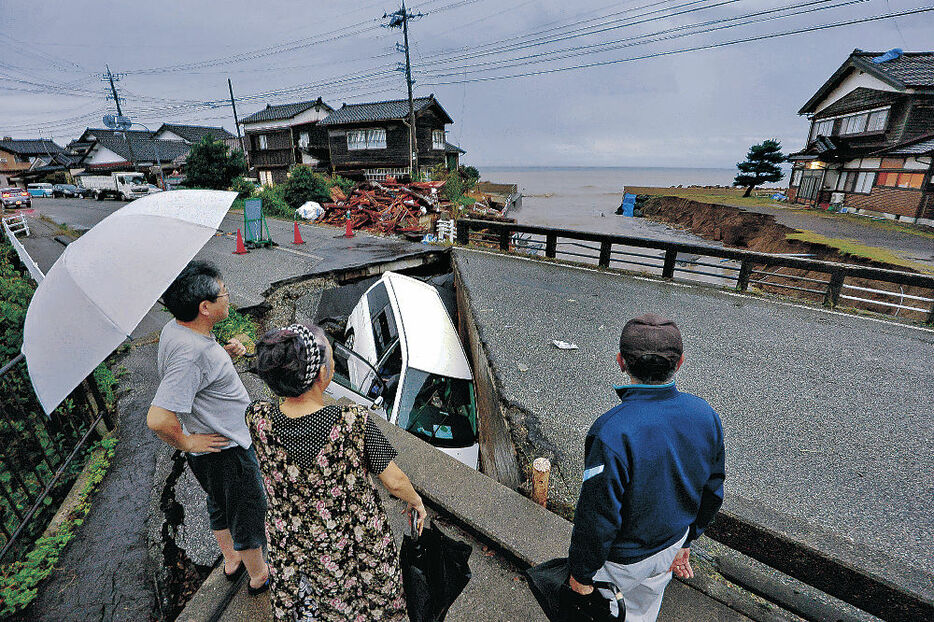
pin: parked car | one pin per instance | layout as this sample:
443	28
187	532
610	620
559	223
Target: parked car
153	189
15	198
64	191
403	358
39	190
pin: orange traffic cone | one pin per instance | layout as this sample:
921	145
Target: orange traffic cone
298	236
241	249
348	228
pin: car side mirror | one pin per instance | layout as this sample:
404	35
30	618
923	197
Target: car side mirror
377	403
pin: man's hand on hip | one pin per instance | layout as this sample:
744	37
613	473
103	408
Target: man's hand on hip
201	443
681	565
579	587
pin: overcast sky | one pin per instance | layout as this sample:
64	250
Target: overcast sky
700	108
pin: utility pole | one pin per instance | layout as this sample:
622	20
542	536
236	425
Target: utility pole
113	89
397	19
233	105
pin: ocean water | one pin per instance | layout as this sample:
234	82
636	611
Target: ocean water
586	198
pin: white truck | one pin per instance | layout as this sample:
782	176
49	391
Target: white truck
121	185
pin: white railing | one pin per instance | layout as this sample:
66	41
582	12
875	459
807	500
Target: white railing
12	226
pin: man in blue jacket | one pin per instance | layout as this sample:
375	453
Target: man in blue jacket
653	475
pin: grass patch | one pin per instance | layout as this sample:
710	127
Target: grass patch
236	324
856	249
19	581
722	196
868	221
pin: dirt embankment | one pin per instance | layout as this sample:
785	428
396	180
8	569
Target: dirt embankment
737	228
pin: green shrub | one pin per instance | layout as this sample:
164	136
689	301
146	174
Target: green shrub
212	164
305	185
244	189
346	185
274	203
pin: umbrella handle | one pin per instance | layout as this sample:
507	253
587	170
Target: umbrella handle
413	524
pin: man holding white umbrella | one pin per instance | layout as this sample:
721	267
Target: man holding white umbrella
199	409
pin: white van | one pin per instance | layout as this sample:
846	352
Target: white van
402	357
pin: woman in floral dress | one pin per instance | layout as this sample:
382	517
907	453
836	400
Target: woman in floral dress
331	553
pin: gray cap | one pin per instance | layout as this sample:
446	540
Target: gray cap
651	334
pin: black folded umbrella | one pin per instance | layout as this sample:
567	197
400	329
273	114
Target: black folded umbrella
549	584
434	573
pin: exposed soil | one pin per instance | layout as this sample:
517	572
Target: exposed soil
737	228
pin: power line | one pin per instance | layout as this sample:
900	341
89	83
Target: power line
710	46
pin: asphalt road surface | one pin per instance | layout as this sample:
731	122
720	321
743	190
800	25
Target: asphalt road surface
827	416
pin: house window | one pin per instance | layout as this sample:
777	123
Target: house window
854	124
864	182
437	139
366	139
796	178
303	140
910	180
877	120
893	163
265	178
262	142
822	128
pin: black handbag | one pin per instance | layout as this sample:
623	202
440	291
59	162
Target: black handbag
434	572
549	584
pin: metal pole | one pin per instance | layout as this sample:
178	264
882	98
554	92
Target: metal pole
11	364
113	90
413	136
233	105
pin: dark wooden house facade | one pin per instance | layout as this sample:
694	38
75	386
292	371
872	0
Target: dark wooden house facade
871	144
278	137
372	140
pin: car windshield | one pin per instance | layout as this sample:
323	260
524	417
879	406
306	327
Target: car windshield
440	409
353	372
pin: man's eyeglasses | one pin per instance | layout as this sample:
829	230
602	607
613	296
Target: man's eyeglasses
227	294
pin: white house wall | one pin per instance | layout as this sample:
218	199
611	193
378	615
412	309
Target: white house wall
854	80
103	155
915	165
169	135
315	113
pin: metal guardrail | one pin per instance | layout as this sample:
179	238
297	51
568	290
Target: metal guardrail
737	267
12	226
38	453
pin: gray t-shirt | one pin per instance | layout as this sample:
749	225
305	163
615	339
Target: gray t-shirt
198	382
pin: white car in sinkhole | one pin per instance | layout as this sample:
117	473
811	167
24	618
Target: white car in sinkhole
403	358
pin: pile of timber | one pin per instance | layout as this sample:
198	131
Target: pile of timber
386	207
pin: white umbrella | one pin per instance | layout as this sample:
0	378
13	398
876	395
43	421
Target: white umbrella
107	280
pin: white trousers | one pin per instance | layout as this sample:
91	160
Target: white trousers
642	583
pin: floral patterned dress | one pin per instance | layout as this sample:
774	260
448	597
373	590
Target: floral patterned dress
331	553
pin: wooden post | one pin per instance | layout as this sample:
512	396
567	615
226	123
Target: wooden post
605	254
551	245
505	236
745	271
541	469
463	232
832	297
668	270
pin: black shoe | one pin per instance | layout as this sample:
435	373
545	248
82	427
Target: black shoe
236	574
255	591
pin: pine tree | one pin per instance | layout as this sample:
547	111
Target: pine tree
761	165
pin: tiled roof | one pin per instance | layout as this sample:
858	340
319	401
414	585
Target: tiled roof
450	148
143	148
282	111
29	147
194	133
379	111
860	99
923	145
912	69
97	132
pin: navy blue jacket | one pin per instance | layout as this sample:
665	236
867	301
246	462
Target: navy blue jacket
653	470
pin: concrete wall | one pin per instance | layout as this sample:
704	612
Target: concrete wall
497	453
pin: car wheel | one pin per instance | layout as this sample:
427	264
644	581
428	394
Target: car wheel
99	196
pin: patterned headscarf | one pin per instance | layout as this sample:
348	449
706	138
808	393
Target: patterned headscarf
312	351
